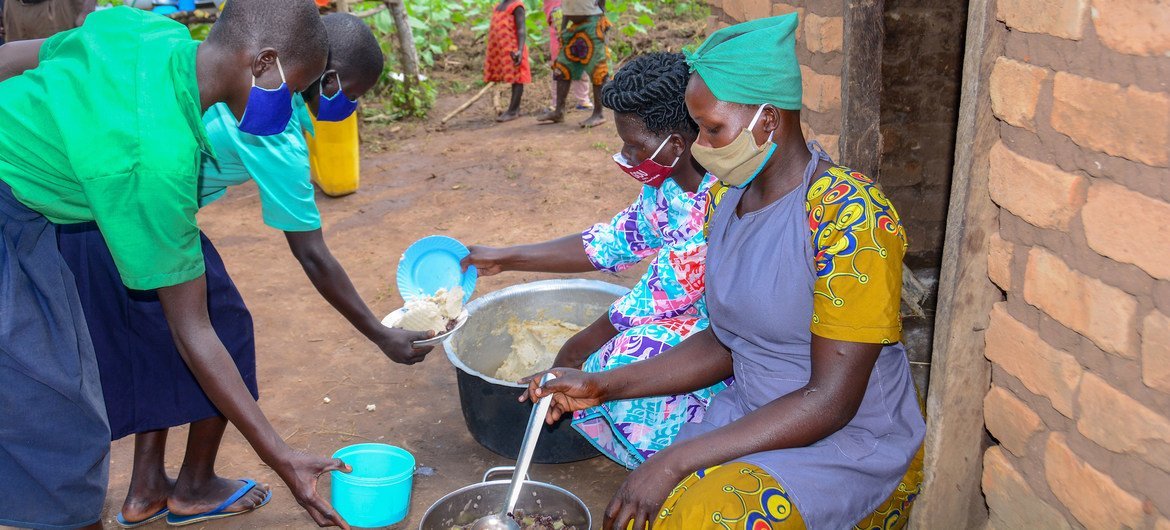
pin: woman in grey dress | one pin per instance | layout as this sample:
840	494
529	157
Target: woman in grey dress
803	289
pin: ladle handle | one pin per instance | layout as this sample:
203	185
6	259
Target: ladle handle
535	424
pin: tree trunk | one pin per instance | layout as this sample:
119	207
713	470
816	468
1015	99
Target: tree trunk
408	55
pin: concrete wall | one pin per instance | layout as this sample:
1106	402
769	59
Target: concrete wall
1080	346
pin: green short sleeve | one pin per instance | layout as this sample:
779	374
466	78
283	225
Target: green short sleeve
148	222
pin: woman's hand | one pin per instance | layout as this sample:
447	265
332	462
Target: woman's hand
396	344
488	260
640	497
571	391
301	472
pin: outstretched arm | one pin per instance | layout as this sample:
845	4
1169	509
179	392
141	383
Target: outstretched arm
335	287
697	362
565	255
185	307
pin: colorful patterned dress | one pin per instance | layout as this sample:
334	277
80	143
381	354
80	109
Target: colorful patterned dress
665	307
498	66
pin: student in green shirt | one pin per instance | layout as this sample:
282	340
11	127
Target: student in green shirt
107	128
147	387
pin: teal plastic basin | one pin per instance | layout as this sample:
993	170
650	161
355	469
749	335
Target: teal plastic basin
377	492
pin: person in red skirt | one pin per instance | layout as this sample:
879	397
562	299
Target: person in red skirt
507	54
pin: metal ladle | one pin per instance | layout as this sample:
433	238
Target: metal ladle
503	520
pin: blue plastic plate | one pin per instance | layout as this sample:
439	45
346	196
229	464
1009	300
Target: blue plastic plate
432	263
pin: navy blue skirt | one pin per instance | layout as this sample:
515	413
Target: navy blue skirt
54	442
146	384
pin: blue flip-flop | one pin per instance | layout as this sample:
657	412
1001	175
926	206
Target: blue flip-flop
218	512
122	522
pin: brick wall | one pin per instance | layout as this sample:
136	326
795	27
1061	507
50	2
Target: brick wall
818	48
1080	347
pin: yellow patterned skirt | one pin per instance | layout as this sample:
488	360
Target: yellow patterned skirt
742	496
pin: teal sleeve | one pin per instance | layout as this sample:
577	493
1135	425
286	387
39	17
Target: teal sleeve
148	222
280	166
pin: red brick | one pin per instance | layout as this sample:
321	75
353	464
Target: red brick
1015	91
1061	18
1121	424
999	261
1044	370
743	10
824	34
1122	121
1128	227
1104	314
1038	193
1011	502
1138	27
1156	352
1010	420
822	93
1092	496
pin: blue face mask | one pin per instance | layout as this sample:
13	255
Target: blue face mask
269	110
336	107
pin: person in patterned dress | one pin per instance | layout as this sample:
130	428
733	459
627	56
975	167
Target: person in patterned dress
507	54
664	224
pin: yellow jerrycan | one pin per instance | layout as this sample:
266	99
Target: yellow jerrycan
334	156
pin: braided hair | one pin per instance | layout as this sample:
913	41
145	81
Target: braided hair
653	87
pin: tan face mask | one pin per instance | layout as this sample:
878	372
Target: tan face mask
737	163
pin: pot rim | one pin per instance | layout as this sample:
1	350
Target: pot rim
537	286
469	487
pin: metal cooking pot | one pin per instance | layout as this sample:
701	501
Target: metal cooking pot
465	505
490	408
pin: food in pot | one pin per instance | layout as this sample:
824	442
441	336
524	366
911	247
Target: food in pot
429	313
531	522
535	344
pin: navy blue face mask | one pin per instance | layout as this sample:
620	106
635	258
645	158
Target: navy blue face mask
336	107
268	110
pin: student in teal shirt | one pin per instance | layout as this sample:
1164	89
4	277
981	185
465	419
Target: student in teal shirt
106	127
147	387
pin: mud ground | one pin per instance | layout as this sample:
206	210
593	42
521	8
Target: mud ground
477	181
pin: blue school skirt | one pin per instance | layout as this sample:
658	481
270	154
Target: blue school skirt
54	441
146	383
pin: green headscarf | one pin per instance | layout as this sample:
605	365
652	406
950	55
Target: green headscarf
752	63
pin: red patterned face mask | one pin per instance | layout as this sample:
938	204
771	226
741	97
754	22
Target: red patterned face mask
649	172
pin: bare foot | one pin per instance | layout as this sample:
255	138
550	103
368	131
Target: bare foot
551	116
596	119
140	505
508	115
189	499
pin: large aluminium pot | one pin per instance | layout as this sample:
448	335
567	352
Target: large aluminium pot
464	505
490	408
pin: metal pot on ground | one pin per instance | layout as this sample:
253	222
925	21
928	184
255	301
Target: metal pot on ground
494	417
465	505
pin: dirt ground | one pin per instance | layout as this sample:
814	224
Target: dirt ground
477	181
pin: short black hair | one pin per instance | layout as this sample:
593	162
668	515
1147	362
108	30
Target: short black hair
353	49
292	27
653	87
